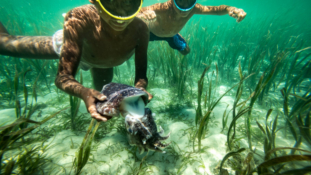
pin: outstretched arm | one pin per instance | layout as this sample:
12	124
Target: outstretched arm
141	80
234	12
68	66
26	46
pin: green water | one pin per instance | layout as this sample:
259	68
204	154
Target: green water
272	43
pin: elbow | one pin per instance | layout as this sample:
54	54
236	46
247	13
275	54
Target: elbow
59	81
5	39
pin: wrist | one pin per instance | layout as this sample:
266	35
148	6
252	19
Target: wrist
84	93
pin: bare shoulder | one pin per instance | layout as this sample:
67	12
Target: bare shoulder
163	6
81	17
198	8
82	12
158	7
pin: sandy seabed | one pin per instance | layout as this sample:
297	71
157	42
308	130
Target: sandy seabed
112	155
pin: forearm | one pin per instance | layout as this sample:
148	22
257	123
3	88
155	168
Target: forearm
213	10
27	46
141	79
70	85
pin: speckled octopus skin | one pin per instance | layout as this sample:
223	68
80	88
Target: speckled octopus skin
115	93
152	143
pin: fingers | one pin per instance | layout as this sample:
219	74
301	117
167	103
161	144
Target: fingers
151	16
149	97
148	15
91	107
231	13
92	110
99	96
238	14
241	16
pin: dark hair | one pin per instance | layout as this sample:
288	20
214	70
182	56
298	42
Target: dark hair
121	7
184	4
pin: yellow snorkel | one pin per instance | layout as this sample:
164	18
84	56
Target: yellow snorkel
120	17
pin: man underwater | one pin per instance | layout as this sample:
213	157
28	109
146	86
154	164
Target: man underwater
96	37
166	19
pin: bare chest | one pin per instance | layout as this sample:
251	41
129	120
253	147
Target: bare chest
168	26
106	52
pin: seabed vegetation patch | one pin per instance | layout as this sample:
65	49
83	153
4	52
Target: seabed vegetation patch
239	103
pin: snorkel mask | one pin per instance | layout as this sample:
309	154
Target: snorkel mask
121	9
185	9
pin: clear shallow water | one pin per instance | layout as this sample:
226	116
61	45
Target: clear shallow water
271	29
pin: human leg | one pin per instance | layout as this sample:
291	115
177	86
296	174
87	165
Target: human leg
26	46
101	77
176	42
185	51
179	43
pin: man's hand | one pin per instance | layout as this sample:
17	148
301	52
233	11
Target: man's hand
90	96
236	13
149	95
147	16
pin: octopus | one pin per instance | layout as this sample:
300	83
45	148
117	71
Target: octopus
130	103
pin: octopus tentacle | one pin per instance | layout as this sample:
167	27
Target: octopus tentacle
165	137
161	131
161	145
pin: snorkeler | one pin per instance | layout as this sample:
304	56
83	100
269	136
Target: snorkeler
165	20
96	37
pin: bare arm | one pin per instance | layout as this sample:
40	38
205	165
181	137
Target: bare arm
68	66
141	80
211	10
27	46
70	58
141	60
234	12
